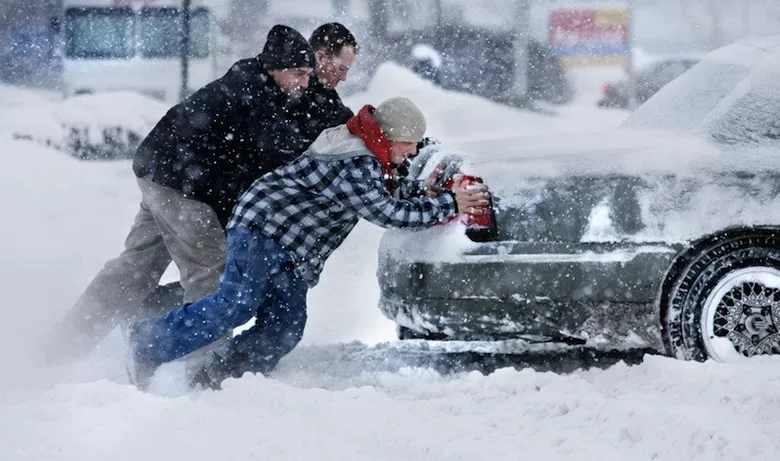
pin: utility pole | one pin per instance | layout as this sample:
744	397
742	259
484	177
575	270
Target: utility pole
185	49
378	11
519	90
746	18
438	38
632	102
341	9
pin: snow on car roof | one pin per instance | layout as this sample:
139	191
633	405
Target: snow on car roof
709	92
503	162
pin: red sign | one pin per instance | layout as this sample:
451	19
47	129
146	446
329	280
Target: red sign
589	32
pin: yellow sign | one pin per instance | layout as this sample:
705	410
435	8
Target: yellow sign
612	17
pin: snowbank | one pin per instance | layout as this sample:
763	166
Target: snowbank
95	126
14	96
456	117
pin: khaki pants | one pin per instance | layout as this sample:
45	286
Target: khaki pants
168	227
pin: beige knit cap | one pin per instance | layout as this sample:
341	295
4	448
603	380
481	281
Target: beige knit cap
400	120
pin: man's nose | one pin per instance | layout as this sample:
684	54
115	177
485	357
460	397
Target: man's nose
304	81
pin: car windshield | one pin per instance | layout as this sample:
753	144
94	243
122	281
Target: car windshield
731	96
159	32
667	71
99	33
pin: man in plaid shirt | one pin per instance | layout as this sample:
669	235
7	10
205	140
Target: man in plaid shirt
281	232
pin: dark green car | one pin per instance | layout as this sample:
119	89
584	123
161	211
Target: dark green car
664	233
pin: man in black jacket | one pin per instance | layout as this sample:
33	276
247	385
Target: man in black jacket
191	169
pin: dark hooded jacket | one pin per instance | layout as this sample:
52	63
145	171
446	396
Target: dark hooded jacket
213	145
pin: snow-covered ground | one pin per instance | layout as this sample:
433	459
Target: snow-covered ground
77	125
340	395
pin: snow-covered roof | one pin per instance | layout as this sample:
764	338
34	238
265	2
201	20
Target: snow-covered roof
734	89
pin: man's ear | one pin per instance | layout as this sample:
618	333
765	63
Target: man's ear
319	56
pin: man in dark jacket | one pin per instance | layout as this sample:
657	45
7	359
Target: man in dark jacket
191	170
282	231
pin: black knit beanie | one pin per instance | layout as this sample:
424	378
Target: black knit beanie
285	48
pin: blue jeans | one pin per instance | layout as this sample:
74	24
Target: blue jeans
259	280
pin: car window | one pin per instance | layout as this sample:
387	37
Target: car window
667	71
683	104
682	107
100	33
159	37
752	112
728	100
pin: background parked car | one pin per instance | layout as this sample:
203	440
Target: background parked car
664	233
480	61
647	82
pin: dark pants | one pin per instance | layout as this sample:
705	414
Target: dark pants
168	226
260	281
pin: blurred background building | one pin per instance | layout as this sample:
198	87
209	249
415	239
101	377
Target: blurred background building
472	46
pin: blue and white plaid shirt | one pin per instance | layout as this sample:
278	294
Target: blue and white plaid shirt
309	206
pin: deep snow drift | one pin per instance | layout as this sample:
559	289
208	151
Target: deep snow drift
337	396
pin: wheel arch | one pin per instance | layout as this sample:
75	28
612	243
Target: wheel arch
689	255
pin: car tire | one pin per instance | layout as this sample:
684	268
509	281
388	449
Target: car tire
725	304
404	333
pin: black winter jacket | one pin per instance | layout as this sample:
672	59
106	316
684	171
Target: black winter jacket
324	107
214	144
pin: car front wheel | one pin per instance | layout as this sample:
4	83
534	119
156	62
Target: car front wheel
403	333
725	305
